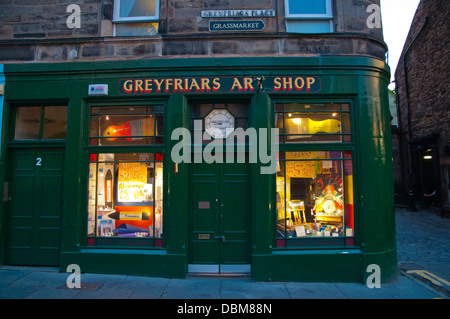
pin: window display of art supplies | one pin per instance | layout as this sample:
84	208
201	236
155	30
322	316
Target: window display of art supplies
126	230
125	195
296	211
329	206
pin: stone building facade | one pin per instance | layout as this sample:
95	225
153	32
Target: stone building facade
422	85
37	31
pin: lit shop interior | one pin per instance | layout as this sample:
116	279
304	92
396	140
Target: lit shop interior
125	189
314	189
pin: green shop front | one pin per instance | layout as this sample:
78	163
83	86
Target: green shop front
278	167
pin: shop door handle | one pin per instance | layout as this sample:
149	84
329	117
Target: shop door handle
220	237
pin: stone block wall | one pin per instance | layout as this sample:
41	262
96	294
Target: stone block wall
46	19
428	68
423	98
36	31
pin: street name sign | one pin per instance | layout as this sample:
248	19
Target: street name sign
237	13
238	25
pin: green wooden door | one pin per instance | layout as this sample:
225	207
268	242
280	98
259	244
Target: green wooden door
220	217
35	207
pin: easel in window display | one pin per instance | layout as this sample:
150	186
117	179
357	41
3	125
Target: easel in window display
329	209
294	209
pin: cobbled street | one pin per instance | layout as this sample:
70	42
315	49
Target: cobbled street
423	239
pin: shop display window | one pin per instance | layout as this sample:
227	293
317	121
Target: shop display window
315	194
127	125
313	123
125	195
314	183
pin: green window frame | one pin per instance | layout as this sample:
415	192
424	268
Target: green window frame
136	17
126	211
40	122
305	16
127	125
126	184
314	183
313	122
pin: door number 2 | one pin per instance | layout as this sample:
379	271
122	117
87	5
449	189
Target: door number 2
38	161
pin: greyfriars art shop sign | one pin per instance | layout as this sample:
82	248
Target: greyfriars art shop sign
229	84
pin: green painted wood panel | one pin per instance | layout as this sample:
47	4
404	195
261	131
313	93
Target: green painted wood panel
35	207
220	208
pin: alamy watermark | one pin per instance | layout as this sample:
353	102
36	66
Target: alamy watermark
374	279
186	152
74	280
374	19
74	19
